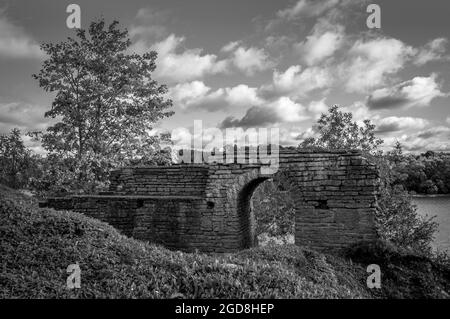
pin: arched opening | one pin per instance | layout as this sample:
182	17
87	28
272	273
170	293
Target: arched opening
247	225
267	210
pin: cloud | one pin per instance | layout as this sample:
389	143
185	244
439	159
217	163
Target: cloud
432	51
181	137
306	8
148	26
360	112
301	136
197	95
176	65
436	139
230	47
15	43
23	116
248	60
190	94
175	62
321	44
419	91
296	82
282	110
448	120
433	132
242	95
318	107
394	124
370	62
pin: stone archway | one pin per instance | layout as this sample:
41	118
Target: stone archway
204	206
247	213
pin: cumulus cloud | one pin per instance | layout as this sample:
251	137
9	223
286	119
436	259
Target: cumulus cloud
321	44
179	65
230	47
419	91
318	107
436	139
282	110
306	8
296	82
433	51
196	94
242	95
360	112
370	62
16	43
248	60
148	26
395	124
23	116
189	94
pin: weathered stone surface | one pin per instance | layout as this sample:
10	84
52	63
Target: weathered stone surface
207	206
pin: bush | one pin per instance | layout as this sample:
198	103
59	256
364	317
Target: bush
397	217
404	273
38	244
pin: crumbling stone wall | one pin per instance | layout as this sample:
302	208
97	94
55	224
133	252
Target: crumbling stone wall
207	206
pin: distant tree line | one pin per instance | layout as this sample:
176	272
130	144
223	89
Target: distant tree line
427	173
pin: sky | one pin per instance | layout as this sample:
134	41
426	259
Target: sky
256	63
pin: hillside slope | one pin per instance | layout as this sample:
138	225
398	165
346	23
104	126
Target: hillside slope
37	245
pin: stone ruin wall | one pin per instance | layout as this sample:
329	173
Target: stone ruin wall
207	206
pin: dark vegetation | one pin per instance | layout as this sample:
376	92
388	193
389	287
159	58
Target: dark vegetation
38	244
426	173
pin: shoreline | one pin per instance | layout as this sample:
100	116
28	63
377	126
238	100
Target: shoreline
429	195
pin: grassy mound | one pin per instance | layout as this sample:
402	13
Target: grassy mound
37	245
404	274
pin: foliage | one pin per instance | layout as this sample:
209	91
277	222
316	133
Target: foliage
38	244
427	173
17	163
404	273
113	266
337	131
274	208
399	222
106	102
397	218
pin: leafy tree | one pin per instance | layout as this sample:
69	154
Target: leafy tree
17	163
106	101
427	173
397	219
396	154
337	130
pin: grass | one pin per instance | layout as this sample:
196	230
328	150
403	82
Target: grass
37	245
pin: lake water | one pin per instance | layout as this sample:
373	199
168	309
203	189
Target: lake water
438	206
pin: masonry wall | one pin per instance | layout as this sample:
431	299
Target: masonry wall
177	180
336	198
184	223
207	206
